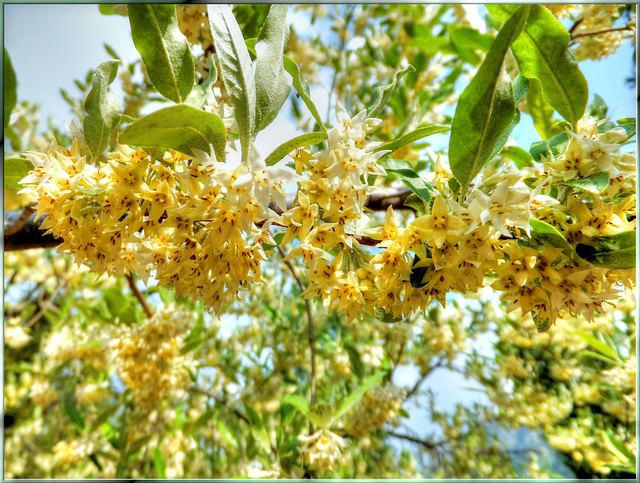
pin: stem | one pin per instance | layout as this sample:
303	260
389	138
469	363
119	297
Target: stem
219	400
601	31
430	445
312	336
45	306
415	387
398	359
139	296
17	225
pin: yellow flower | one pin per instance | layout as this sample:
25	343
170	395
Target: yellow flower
439	227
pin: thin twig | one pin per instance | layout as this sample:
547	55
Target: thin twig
312	336
430	445
44	306
139	296
601	31
575	26
224	402
419	382
219	400
11	279
16	226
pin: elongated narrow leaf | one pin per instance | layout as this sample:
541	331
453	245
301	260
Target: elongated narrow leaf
302	88
10	88
596	343
164	50
353	399
198	94
383	93
403	170
419	133
551	148
545	232
617	259
594	183
466	41
485	108
257	428
629	125
273	83
519	156
235	69
520	88
541	52
102	108
297	401
539	109
15	169
281	151
159	463
178	127
227	434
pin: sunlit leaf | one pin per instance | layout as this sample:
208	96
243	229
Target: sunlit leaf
164	49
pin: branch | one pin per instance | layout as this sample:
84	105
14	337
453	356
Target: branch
224	402
29	235
139	296
44	306
430	445
219	400
12	227
312	336
601	31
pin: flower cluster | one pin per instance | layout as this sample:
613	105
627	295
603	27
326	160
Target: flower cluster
377	408
191	222
148	360
321	450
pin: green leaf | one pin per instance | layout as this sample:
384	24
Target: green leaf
198	94
302	88
594	183
383	93
626	239
257	428
110	8
416	278
541	325
159	463
619	449
403	170
617	259
520	87
519	156
10	88
418	204
102	108
281	151
418	133
597	355
485	108
227	434
597	344
15	169
164	50
387	317
539	109
545	232
298	402
357	366
321	415
542	53
138	444
629	125
353	399
551	148
466	41
111	51
178	127
273	83
236	70
74	413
